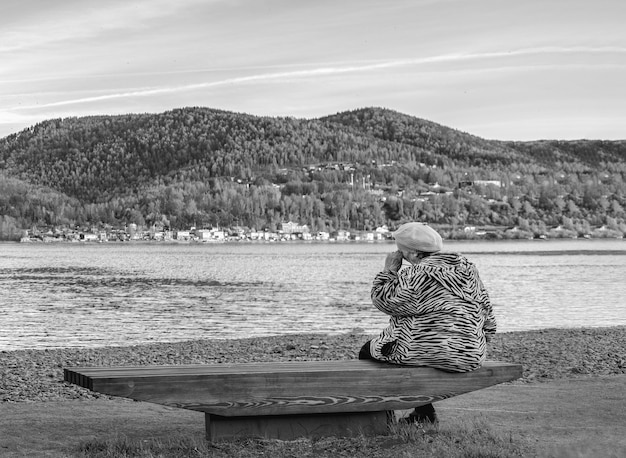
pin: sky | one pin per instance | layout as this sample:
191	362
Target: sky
498	69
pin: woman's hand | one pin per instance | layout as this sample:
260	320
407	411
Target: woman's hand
393	262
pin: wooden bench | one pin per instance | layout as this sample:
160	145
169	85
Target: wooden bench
286	400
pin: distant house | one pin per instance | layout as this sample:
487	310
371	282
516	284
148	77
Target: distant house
269	236
497	183
132	231
322	235
342	235
463	184
158	235
218	234
291	227
205	235
90	237
183	235
237	231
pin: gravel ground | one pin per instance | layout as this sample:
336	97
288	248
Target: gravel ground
37	375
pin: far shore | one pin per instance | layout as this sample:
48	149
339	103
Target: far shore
457	237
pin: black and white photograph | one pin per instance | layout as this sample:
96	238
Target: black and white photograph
298	228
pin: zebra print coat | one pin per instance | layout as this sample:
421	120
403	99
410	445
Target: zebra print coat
440	314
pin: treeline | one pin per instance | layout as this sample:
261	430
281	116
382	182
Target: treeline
96	158
355	170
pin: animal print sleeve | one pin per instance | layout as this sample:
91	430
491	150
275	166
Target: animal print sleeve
490	322
397	294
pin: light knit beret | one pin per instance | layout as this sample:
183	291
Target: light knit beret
418	237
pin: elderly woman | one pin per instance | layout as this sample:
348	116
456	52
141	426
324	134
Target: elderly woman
440	313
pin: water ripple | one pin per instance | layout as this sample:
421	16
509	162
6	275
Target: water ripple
97	295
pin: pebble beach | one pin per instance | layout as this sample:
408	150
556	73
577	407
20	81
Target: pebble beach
37	375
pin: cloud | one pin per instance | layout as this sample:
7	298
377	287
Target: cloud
68	21
338	69
10	121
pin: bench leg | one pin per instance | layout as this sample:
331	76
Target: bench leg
288	427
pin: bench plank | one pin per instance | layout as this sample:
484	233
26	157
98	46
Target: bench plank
289	388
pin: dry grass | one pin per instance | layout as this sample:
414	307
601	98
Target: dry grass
452	440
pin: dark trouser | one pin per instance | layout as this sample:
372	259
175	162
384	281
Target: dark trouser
420	414
365	352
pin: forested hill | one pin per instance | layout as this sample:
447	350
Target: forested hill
469	149
95	158
352	170
453	144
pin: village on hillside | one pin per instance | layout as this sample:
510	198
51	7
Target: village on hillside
288	232
291	231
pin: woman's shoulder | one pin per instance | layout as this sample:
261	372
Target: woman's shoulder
444	258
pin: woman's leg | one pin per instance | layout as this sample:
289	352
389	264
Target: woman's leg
365	352
420	414
423	414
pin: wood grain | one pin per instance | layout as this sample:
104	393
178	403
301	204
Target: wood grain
255	389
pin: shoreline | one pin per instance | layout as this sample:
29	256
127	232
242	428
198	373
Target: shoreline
322	334
566	404
546	354
496	238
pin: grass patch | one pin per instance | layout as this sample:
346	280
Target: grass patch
455	439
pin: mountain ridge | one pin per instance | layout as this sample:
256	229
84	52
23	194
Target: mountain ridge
189	163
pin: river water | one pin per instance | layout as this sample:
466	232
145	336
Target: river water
89	294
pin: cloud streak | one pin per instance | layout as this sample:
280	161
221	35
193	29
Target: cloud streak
338	70
71	21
